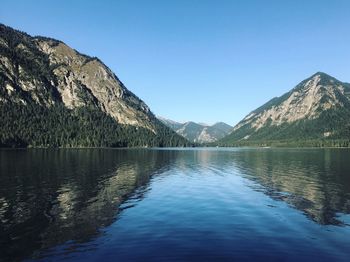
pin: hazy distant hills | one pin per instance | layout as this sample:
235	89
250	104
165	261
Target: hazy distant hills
52	95
314	113
197	132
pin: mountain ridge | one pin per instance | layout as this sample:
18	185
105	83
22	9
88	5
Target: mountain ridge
47	73
198	132
317	109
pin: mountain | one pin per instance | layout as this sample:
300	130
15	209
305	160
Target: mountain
198	132
222	128
192	131
170	123
314	113
52	95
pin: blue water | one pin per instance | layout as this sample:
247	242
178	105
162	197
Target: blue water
177	205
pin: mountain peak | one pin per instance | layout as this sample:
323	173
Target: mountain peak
193	125
311	103
321	74
46	75
199	132
322	78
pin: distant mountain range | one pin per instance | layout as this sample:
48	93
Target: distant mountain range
198	132
53	96
314	113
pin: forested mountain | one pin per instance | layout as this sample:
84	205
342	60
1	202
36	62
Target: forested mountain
170	123
314	113
52	95
199	133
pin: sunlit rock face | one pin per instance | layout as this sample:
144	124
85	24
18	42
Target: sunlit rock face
320	101
48	72
306	101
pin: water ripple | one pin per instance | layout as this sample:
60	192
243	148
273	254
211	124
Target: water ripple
171	205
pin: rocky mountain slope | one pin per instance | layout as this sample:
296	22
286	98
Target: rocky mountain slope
39	74
199	133
316	112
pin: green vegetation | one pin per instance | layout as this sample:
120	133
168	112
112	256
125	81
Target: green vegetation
35	126
35	116
302	133
288	143
327	126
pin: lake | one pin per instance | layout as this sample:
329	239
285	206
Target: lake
205	204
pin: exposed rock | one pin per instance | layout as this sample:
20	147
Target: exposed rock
307	109
47	71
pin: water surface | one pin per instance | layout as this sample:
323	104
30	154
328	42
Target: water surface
175	204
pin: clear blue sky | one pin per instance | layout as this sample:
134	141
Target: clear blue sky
204	61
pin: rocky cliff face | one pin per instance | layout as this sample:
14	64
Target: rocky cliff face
48	72
312	102
52	95
83	81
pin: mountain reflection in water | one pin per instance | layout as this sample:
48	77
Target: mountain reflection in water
50	198
315	181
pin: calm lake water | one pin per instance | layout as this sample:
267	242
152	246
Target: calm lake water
175	205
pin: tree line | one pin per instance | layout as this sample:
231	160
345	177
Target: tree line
32	125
